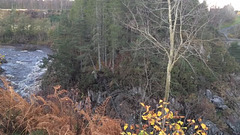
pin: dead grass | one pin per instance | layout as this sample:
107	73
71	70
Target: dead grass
57	115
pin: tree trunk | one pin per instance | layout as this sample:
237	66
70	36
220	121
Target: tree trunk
98	34
113	59
168	81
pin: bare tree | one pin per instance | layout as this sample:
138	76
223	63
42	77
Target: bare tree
98	31
170	26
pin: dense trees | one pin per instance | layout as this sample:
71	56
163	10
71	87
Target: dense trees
87	40
36	4
180	20
20	28
17	27
109	44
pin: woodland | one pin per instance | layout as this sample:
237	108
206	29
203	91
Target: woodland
133	67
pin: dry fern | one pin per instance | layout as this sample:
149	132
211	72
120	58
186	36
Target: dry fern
19	116
101	110
98	124
57	115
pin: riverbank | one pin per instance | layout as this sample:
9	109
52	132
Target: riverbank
28	47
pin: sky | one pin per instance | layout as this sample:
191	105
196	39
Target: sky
221	3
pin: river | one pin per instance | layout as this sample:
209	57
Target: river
22	67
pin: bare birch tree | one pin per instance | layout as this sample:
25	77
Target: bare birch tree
170	26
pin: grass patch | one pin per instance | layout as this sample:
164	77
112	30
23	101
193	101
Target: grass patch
236	21
39	132
234	50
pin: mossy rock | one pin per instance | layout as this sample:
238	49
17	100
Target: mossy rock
4	61
1	70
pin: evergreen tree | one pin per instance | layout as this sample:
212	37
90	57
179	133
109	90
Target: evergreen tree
87	40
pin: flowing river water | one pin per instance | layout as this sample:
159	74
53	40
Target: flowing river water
22	67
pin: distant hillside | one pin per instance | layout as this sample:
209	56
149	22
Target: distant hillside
34	13
36	4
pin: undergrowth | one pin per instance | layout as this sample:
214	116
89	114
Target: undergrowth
56	115
59	115
162	121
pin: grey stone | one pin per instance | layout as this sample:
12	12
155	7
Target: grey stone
175	105
1	70
224	107
218	102
209	94
190	131
3	60
212	128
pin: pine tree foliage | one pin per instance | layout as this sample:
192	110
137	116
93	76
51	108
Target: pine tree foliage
87	39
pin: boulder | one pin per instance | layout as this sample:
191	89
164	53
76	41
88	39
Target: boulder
212	128
209	94
218	102
1	70
3	60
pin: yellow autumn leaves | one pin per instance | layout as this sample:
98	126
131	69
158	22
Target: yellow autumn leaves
162	121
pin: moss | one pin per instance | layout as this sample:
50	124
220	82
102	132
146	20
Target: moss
39	132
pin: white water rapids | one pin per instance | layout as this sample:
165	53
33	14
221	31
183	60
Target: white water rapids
22	68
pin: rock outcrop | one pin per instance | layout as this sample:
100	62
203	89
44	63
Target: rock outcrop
212	128
232	118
